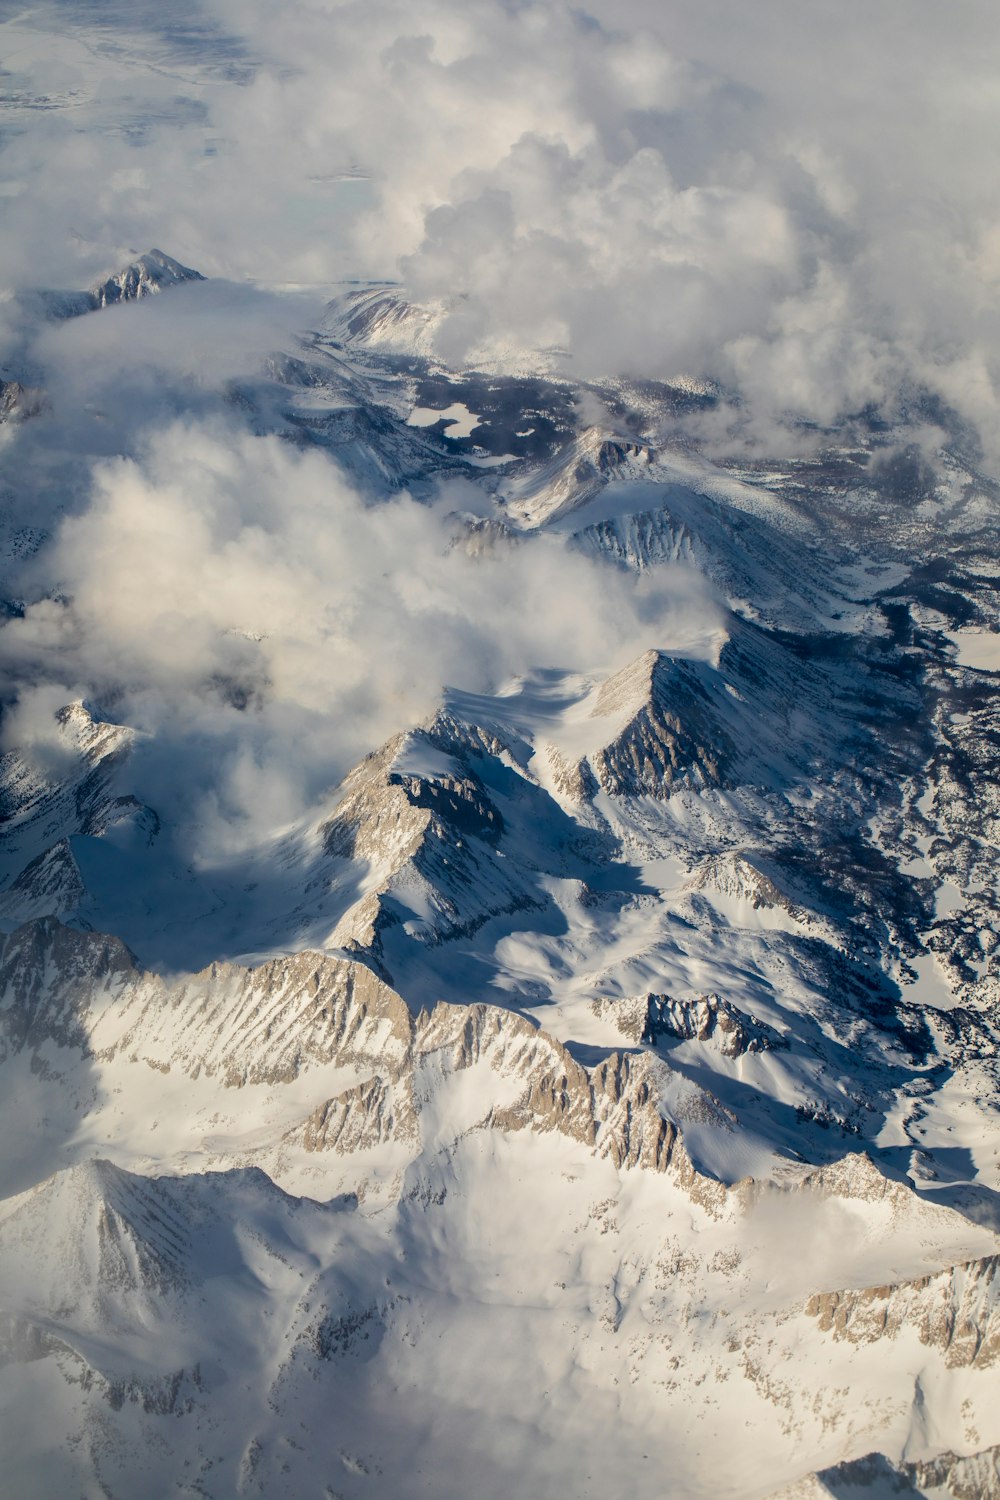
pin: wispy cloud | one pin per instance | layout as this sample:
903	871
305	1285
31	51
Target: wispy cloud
240	603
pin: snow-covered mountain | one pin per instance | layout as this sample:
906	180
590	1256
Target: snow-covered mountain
593	1092
146	276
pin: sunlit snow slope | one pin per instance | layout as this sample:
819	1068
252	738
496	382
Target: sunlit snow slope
592	1092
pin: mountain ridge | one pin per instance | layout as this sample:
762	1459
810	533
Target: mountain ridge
613	1050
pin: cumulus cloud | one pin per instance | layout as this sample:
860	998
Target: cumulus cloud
798	201
228	594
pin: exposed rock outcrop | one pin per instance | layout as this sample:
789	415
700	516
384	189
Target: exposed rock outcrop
709	1018
975	1476
262	1025
146	276
957	1311
703	1018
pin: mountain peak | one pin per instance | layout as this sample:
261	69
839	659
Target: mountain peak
145	276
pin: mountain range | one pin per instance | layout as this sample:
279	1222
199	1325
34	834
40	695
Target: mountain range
593	1092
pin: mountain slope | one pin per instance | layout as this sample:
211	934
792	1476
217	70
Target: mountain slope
594	1090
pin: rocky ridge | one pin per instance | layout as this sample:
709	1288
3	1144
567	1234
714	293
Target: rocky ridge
639	1028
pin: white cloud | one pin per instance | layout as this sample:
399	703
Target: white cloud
797	199
235	597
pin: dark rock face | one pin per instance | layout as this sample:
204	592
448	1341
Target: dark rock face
150	274
708	1018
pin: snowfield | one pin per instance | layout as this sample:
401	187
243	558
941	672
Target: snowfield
590	1088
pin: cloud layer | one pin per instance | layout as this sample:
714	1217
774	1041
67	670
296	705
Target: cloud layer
240	604
798	201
